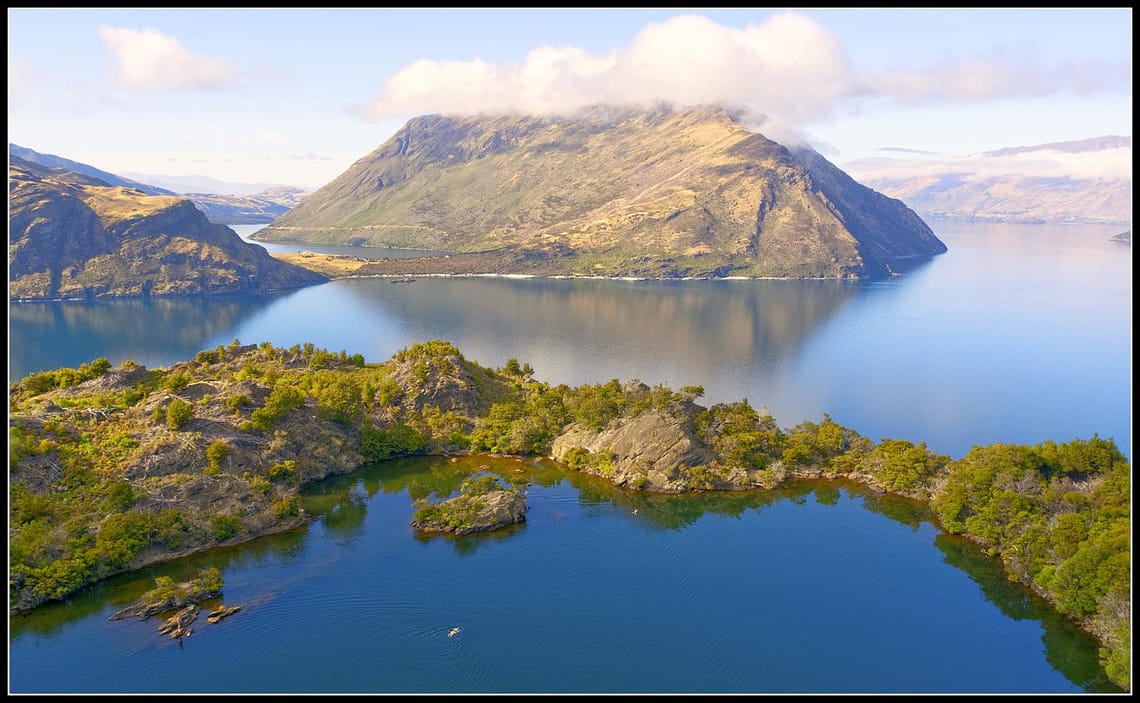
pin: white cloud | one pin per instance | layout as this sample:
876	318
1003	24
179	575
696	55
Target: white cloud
1106	164
148	59
985	79
789	68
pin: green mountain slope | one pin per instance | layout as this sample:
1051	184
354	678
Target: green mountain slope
613	191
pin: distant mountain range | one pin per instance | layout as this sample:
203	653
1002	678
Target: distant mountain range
223	202
655	193
651	193
260	208
1085	181
204	184
73	235
50	160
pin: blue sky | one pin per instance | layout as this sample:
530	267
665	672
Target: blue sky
296	96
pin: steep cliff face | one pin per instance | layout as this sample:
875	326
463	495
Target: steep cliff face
73	236
611	191
872	218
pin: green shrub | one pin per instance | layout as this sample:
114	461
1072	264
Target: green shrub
224	527
215	453
258	484
283	470
178	414
281	401
177	381
121	496
378	445
287	507
236	402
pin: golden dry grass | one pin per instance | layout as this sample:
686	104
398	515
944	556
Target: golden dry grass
115	204
327	264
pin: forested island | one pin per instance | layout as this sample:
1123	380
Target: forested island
113	468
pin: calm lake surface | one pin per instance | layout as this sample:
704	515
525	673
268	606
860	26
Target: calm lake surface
1018	334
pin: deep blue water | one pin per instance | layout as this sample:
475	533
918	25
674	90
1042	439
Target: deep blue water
817	588
1018	334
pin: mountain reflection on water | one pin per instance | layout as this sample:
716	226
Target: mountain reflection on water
562	327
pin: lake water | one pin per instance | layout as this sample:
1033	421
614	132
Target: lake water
1018	334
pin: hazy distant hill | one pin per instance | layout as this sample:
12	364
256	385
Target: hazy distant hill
612	191
202	184
232	203
259	208
1081	181
53	161
223	202
71	235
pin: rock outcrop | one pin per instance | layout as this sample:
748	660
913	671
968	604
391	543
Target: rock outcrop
220	613
656	450
178	625
465	514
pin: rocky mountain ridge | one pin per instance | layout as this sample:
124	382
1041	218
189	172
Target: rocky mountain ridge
240	206
52	161
609	191
72	235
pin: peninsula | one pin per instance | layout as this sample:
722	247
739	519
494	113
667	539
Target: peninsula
113	468
72	235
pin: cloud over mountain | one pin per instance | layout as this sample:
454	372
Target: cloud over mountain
789	67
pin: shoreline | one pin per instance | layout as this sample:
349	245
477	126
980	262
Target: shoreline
803	476
155	557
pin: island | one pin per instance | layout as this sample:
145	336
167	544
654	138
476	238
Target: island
483	504
657	191
114	468
184	598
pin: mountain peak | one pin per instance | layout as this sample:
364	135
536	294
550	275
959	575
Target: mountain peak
657	191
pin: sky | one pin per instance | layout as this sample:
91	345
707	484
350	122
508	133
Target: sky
294	97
